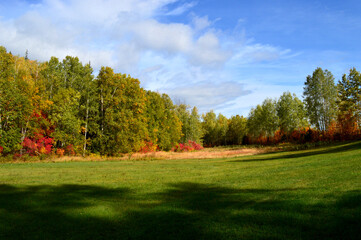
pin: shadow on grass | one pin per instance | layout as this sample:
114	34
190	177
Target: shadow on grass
303	153
183	211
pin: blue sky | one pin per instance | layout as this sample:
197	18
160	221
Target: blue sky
222	55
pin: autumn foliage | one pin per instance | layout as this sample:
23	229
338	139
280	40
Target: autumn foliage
187	147
148	147
38	145
308	135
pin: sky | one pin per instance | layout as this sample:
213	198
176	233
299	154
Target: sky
226	56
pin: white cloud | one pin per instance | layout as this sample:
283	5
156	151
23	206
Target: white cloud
208	51
172	37
209	95
42	39
103	12
185	60
200	23
127	28
178	38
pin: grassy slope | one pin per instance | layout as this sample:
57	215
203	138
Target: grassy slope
314	194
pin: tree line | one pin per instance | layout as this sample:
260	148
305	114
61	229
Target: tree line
61	107
328	112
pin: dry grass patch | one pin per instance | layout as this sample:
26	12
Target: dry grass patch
202	154
207	153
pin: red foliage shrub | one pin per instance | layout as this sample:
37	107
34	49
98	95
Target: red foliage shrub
278	137
60	152
331	131
261	140
347	127
38	145
149	146
1	149
308	135
187	147
69	150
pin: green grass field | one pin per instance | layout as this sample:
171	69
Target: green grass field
313	194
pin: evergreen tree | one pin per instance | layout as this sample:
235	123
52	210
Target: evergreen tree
349	102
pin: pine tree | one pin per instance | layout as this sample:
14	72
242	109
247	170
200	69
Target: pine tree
349	107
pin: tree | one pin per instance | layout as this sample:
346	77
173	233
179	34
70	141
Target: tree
6	65
19	100
15	114
122	117
72	71
354	79
237	130
263	120
196	126
214	129
184	116
51	75
64	117
221	130
209	128
291	113
349	102
88	105
172	125
191	123
75	79
164	126
320	95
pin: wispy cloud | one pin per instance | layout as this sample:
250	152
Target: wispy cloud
181	9
259	53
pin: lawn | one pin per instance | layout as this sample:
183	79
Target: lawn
311	194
